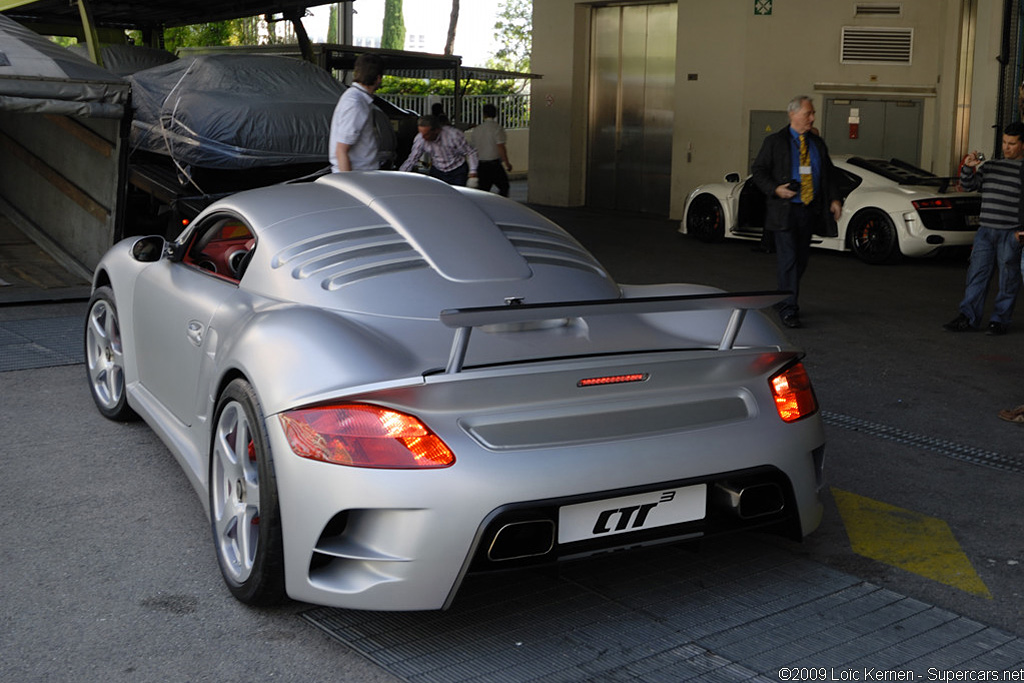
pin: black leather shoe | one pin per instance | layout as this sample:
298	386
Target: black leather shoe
959	324
791	320
996	329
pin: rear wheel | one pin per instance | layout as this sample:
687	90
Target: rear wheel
872	237
244	511
104	357
705	220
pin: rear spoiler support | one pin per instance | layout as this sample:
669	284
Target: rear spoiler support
463	320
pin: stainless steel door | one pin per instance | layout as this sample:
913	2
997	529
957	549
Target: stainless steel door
874	128
632	83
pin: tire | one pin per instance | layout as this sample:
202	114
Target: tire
245	515
705	220
872	237
104	357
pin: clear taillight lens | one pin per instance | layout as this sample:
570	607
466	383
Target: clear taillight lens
794	396
360	435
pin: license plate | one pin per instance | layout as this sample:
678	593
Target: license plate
973	221
631	513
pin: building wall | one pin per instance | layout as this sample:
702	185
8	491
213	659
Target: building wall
730	61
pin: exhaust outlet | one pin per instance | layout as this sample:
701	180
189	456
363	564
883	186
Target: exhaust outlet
751	502
517	540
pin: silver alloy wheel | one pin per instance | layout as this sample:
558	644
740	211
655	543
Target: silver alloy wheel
235	493
104	355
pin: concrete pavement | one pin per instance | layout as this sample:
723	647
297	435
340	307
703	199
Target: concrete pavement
109	574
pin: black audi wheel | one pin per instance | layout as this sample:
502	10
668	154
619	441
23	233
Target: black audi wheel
872	237
705	220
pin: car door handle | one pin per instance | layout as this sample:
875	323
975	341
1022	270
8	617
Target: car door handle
195	332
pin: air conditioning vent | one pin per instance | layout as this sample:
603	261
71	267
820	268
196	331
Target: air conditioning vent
878	9
877	45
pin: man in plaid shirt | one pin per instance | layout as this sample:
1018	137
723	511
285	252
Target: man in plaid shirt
452	159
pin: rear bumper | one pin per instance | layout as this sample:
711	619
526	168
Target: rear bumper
528	443
526	534
404	540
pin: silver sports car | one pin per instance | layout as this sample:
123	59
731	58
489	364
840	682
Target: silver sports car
379	383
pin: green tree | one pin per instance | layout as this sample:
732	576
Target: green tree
197	35
392	35
332	25
513	29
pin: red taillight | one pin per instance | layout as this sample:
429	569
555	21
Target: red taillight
360	435
794	397
932	204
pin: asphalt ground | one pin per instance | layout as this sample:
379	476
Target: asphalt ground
109	574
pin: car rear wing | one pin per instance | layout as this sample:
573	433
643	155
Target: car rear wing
463	320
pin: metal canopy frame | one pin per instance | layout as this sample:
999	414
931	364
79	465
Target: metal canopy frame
144	14
86	17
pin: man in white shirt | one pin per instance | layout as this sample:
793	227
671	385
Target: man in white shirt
353	144
489	140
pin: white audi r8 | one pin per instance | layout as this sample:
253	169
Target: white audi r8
379	383
890	209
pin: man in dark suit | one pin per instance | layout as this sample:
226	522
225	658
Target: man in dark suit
795	172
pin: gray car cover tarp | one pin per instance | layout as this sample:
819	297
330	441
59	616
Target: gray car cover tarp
38	76
235	111
124	60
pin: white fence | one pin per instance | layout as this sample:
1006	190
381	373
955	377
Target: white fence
513	110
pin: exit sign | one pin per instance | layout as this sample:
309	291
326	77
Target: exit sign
762	7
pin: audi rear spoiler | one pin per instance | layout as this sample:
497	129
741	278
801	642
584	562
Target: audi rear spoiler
463	320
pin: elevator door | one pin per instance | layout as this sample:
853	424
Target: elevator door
632	68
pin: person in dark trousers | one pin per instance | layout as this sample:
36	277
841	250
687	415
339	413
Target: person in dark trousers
996	246
794	170
489	139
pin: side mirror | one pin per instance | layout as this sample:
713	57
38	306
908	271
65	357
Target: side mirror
148	249
732	177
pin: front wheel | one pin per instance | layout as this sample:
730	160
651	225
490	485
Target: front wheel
104	357
705	220
244	511
872	237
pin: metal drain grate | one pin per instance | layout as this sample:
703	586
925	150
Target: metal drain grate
41	343
977	456
667	614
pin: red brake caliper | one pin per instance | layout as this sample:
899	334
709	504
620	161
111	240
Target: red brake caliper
252	458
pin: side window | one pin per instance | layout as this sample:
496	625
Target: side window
847	182
222	246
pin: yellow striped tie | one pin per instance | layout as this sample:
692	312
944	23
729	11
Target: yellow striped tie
806	179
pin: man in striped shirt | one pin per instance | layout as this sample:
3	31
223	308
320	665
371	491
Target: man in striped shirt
452	159
995	245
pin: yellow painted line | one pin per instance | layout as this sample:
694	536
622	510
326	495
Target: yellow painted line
908	540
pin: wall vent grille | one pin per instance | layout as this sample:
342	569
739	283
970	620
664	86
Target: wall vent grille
862	45
877	9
